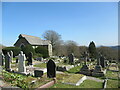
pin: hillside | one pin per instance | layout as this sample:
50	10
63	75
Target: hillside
115	47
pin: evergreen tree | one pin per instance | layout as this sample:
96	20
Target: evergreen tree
92	50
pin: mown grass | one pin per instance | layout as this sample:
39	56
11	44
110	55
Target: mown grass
74	69
110	74
112	84
41	65
74	78
85	84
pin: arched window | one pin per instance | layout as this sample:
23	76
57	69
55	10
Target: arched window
22	45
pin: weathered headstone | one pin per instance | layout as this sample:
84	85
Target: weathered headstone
98	70
38	73
11	54
102	61
2	57
7	62
30	55
106	63
51	69
71	58
85	70
21	66
86	56
61	68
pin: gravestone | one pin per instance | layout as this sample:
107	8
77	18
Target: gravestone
7	62
61	68
85	69
86	56
102	61
51	69
30	55
17	60
106	63
2	57
38	73
11	54
21	65
98	70
71	58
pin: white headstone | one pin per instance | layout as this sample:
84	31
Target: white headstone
21	66
11	54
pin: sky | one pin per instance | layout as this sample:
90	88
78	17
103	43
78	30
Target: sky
81	22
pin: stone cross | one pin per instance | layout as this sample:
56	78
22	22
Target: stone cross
51	69
7	62
102	61
86	57
21	65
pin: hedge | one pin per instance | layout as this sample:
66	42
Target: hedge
42	50
16	50
27	49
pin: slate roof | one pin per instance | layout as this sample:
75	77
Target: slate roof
33	40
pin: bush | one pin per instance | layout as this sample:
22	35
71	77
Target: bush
16	50
27	49
42	50
16	79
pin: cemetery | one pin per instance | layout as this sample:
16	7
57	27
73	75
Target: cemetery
27	72
59	44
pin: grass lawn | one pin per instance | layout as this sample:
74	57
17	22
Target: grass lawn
61	64
74	78
85	84
74	69
41	65
112	84
111	74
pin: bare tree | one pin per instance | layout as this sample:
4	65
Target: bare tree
72	47
53	36
55	39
